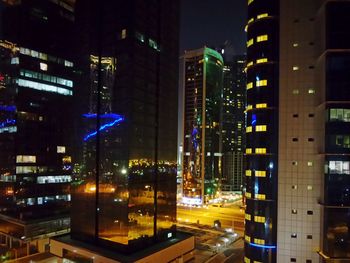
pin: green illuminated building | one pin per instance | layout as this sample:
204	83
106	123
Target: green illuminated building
202	142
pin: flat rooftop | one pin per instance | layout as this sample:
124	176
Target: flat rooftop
112	254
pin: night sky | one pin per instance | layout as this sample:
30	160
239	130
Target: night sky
211	23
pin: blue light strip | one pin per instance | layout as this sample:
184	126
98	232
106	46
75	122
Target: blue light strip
262	246
116	120
7	122
7	108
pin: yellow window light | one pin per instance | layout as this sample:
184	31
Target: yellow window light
262	38
261	105
251	63
261	83
250	1
261	60
248	151
250	42
257	261
262	15
251	20
246	260
249	107
248	172
260	150
248	195
250	85
249	129
248	217
247	238
260	173
259	219
260	196
261	128
259	241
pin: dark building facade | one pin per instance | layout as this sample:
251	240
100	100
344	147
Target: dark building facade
37	86
262	131
124	194
233	122
202	142
305	218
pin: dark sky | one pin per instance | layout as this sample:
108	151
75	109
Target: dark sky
212	22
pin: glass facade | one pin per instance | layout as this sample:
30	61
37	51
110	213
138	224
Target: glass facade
202	149
233	122
37	80
124	187
262	131
336	200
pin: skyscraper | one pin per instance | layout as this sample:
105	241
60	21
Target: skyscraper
233	122
37	84
124	195
202	142
297	170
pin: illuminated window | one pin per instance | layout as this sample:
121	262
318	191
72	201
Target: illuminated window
25	159
294	211
261	105
248	172
295	68
251	63
248	150
339	115
247	238
295	44
43	66
311	91
262	15
261	60
260	150
123	35
295	91
339	167
260	173
15	61
249	107
309	164
248	195
43	87
259	219
248	217
153	44
309	187
261	83
249	129
261	128
251	20
61	149
260	196
259	241
250	42
249	85
250	1
247	260
262	38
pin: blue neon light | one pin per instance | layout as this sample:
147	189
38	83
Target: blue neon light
253	119
262	246
7	122
7	108
116	120
195	137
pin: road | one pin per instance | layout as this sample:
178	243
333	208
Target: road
230	217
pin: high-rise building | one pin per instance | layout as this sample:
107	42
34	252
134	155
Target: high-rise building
233	122
37	84
297	155
202	142
124	192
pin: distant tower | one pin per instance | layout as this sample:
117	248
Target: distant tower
202	143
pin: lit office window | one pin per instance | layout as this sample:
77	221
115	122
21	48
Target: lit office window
251	20
260	150
260	173
25	159
248	173
43	66
259	241
61	149
248	217
261	105
260	196
259	219
251	63
262	38
261	60
43	87
250	42
261	83
295	68
262	15
261	128
339	167
123	34
249	85
249	129
339	115
248	150
250	1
